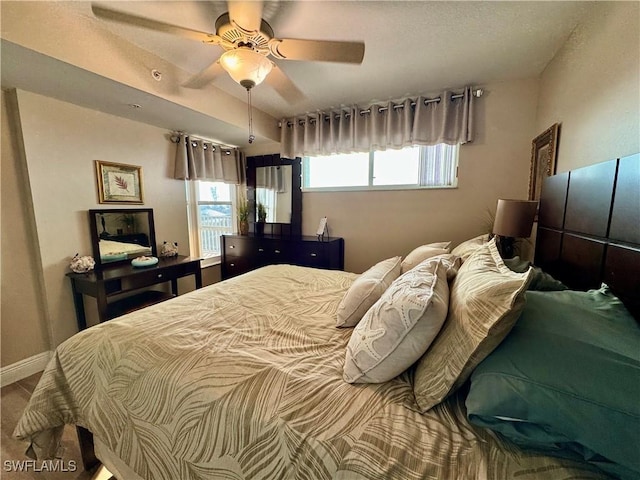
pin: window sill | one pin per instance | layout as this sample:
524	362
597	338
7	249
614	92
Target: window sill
378	188
210	262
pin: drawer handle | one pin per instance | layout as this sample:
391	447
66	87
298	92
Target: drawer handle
232	264
232	246
276	251
314	254
261	249
159	275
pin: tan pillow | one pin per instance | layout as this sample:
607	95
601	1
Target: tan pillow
423	252
466	248
366	291
486	300
399	328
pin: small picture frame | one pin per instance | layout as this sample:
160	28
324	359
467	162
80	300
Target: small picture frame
119	183
544	150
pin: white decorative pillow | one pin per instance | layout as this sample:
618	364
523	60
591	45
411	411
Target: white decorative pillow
366	290
466	248
486	300
399	328
423	252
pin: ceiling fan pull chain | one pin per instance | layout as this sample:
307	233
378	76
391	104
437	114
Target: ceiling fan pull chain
251	135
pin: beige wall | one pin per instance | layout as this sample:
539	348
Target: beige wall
211	275
381	224
23	322
592	88
61	143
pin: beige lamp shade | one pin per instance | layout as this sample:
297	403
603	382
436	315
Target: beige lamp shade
514	218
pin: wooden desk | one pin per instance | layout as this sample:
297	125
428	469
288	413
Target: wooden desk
112	281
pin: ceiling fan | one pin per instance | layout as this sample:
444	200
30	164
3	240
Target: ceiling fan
248	41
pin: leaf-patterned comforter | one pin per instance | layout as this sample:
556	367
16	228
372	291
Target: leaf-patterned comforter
243	380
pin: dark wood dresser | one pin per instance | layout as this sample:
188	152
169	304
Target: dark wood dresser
242	253
122	288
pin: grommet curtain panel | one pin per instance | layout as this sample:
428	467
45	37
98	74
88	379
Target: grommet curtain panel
422	121
198	159
270	178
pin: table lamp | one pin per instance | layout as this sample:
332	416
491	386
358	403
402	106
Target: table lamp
514	219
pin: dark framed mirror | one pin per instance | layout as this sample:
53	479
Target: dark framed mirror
273	191
275	182
119	235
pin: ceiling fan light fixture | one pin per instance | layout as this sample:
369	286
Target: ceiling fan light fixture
245	66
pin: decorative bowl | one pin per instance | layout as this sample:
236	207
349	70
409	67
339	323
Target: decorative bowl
144	261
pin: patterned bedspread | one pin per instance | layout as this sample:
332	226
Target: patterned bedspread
243	380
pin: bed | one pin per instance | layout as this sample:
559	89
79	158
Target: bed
245	379
114	250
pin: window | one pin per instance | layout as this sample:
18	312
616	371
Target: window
410	167
211	214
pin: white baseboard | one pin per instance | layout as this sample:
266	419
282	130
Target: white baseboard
24	368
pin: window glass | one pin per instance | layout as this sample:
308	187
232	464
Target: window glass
211	215
396	167
410	167
342	170
213	192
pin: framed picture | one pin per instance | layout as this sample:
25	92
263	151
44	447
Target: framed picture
119	183
543	159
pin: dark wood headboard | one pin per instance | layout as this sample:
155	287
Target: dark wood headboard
589	228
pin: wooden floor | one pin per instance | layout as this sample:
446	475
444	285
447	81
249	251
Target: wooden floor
13	400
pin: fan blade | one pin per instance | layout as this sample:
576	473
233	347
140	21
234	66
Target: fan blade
246	14
143	22
283	85
205	76
317	50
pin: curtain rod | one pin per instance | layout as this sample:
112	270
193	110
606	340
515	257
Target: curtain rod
175	138
476	93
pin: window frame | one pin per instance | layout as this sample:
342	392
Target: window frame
371	186
193	204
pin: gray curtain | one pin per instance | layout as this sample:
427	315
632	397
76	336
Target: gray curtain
198	159
422	121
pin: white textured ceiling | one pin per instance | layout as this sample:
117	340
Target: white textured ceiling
412	48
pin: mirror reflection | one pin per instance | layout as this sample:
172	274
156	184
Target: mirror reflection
123	235
273	190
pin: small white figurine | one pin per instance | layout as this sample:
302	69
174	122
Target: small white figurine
82	264
169	249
